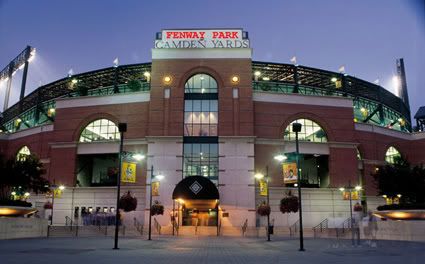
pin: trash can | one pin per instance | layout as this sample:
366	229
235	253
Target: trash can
271	229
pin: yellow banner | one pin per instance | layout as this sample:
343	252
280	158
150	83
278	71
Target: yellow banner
57	193
263	187
128	172
155	188
289	172
354	195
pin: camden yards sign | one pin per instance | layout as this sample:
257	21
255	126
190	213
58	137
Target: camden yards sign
202	39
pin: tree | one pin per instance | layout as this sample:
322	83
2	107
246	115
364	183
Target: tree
402	179
20	176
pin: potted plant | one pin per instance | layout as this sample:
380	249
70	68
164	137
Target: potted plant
358	207
289	204
48	205
157	208
264	209
127	202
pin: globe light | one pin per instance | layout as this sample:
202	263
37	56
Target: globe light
280	157
358	188
61	187
259	176
138	157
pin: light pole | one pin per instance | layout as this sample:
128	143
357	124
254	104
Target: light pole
260	176
158	178
350	190
54	187
122	128
296	127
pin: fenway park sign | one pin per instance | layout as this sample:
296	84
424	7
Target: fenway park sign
201	39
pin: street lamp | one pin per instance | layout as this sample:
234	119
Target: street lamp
296	127
122	128
260	176
350	189
158	178
53	188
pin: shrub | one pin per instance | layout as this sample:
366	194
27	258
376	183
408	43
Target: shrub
388	207
6	202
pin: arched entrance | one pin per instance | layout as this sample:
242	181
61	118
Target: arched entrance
197	198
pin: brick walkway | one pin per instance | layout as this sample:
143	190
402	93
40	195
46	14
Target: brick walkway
205	250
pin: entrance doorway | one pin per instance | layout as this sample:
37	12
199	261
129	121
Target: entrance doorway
196	201
199	213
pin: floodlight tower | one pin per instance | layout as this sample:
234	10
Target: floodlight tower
21	61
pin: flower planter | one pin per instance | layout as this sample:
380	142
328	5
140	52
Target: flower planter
16	211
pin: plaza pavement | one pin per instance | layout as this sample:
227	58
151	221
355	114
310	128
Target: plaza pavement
205	250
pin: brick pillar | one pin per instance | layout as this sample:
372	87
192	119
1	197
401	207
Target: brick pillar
343	167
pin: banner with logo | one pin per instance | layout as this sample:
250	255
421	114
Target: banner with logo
354	195
128	172
290	174
263	187
155	188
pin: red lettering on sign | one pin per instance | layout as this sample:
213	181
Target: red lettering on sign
225	35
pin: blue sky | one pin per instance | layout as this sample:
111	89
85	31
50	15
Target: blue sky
365	36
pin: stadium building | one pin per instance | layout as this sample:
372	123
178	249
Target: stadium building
207	117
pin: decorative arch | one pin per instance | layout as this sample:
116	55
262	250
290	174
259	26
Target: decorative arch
23	153
310	131
392	154
87	120
201	70
306	115
201	83
101	129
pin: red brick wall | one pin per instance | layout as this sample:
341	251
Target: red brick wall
235	115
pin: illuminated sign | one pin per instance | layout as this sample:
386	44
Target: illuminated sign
202	39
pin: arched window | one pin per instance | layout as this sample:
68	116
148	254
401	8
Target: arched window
201	83
23	153
392	154
310	131
100	130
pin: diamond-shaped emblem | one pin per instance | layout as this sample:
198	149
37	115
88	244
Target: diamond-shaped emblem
195	187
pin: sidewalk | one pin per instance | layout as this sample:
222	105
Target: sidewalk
205	250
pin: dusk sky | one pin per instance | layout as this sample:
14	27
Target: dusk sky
364	35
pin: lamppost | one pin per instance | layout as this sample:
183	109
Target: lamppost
122	128
296	127
158	177
260	176
350	189
54	188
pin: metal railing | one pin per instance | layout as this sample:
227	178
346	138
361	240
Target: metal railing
138	226
321	227
341	229
175	226
157	226
244	227
293	229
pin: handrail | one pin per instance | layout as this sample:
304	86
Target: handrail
157	226
321	226
293	229
345	225
67	218
196	226
244	227
175	226
139	226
